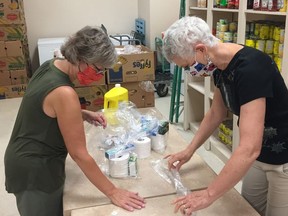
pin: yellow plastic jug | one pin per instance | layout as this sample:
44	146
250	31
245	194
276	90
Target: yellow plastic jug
114	96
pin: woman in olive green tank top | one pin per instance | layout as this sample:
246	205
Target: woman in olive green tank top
49	125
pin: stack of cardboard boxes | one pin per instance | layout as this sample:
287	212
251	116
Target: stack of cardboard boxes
130	71
14	53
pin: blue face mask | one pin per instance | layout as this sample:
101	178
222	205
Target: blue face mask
201	70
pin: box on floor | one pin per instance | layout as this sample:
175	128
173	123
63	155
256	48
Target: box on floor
132	67
137	94
12	91
11	12
92	97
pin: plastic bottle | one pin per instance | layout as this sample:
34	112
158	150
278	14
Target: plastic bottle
257	4
114	96
283	6
250	4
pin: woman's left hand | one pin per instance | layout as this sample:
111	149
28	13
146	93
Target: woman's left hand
95	118
192	202
126	199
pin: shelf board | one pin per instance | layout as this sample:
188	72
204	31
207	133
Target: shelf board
198	8
194	126
276	13
225	10
198	86
220	149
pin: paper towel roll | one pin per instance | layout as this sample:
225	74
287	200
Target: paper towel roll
143	147
159	143
118	167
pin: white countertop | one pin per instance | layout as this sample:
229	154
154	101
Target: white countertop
79	193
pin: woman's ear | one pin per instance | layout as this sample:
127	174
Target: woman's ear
200	47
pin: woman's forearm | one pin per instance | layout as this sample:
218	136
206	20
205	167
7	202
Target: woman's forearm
234	170
92	171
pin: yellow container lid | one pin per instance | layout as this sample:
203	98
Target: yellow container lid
114	96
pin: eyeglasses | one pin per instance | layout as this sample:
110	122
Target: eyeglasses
97	69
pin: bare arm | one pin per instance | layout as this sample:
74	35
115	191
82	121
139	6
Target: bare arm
251	133
64	103
251	128
211	120
95	118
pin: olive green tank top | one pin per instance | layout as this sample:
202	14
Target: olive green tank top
36	153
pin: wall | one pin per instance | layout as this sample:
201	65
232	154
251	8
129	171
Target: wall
163	15
159	15
54	18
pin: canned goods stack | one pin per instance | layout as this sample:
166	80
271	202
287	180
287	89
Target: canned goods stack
202	3
270	5
230	4
267	37
226	31
225	132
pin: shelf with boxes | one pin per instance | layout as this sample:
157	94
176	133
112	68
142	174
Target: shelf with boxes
130	71
220	16
14	52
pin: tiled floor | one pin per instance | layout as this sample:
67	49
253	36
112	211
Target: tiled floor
8	111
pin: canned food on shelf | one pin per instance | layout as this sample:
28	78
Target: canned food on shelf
264	32
260	45
276	48
280	50
250	42
228	37
269	46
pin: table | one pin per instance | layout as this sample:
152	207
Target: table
79	193
230	204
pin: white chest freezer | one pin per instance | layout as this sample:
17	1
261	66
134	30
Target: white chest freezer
48	46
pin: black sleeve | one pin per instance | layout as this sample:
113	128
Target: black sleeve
254	77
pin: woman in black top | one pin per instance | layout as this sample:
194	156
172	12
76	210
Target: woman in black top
250	86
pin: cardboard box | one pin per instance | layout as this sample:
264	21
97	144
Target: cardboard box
18	77
132	67
11	12
5	78
138	95
2	49
13	32
14	48
12	91
11	5
92	97
13	63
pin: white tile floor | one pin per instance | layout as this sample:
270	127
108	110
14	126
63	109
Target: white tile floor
8	111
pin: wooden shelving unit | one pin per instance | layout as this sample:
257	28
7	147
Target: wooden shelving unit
199	91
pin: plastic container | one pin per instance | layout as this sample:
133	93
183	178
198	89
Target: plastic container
114	96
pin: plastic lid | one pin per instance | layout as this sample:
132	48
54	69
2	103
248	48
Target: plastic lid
118	85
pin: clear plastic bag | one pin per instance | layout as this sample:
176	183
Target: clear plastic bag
172	177
147	86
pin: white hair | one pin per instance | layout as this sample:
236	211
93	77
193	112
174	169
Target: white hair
182	36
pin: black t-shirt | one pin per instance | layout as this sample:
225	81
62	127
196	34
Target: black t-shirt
250	75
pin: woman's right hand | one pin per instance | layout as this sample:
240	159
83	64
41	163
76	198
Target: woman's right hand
126	199
175	161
